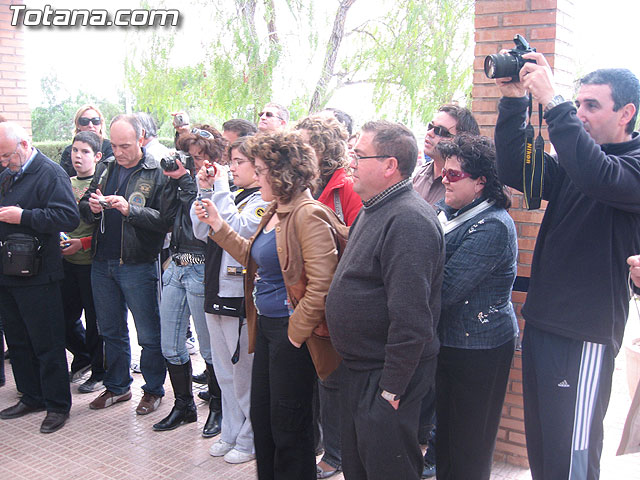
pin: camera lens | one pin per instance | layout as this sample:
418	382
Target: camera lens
501	65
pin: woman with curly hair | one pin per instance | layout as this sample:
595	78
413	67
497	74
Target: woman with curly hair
328	138
334	186
478	327
88	118
294	253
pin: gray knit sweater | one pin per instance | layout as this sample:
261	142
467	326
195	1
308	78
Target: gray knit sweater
384	302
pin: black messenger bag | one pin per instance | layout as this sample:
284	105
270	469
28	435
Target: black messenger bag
20	255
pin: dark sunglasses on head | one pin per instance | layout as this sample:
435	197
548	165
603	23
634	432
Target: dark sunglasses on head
268	114
84	121
439	131
202	133
454	175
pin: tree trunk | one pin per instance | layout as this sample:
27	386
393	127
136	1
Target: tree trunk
319	95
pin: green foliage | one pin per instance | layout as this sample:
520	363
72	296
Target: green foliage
53	150
418	50
54	120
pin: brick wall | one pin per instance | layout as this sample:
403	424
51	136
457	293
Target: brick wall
13	85
546	24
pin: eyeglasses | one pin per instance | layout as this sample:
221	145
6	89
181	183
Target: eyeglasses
356	158
7	156
235	162
261	171
84	121
202	133
454	175
439	131
269	115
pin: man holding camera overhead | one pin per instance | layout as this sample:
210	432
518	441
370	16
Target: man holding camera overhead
123	202
578	296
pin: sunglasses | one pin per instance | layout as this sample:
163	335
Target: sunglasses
202	133
269	115
439	131
84	121
454	175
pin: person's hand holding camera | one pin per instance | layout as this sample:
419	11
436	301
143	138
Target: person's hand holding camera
537	78
204	179
177	173
70	246
208	213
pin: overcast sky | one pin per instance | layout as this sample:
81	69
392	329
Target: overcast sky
91	59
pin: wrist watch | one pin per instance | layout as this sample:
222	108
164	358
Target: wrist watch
557	100
389	397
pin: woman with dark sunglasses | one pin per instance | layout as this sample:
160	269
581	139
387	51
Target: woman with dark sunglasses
88	118
478	327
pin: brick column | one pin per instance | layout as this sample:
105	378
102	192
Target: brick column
13	100
546	24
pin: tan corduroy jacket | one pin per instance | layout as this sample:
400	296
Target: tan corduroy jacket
307	246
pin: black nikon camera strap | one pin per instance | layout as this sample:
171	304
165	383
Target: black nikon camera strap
533	165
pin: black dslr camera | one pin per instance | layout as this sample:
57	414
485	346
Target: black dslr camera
501	65
169	163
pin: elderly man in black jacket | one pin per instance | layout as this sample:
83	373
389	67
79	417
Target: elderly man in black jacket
123	201
36	201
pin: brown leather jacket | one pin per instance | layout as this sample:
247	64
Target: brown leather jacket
306	242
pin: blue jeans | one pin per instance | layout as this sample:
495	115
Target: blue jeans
118	287
183	296
329	392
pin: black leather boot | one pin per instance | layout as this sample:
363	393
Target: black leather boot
213	425
184	410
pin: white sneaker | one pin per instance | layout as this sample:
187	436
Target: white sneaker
220	448
236	456
191	346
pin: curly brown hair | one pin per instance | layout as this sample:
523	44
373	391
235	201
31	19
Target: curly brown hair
291	162
212	147
328	138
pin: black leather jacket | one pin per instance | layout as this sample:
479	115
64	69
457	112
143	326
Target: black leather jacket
144	229
177	197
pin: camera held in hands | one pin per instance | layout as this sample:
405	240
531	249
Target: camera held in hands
502	65
104	203
170	164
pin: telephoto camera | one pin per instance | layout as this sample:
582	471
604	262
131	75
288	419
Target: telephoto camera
170	164
502	65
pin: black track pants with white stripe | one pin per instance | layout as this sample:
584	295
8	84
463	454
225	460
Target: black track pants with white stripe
567	384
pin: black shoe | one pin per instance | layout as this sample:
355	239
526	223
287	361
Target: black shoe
177	417
90	385
201	378
18	410
204	395
53	421
213	425
429	470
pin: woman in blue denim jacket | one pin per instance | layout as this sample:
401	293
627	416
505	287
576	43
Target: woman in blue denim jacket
478	327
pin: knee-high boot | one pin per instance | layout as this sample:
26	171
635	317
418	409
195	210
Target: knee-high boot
184	410
213	425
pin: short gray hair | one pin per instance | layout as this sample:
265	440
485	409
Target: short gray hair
13	131
131	120
148	124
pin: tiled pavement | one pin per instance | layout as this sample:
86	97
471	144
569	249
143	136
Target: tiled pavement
118	444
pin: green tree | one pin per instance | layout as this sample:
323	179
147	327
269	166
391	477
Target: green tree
410	52
53	121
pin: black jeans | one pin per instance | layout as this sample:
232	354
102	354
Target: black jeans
281	395
34	326
379	442
470	389
77	296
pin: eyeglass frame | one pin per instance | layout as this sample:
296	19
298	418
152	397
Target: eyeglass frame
261	170
237	163
457	175
439	130
269	115
356	158
89	120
